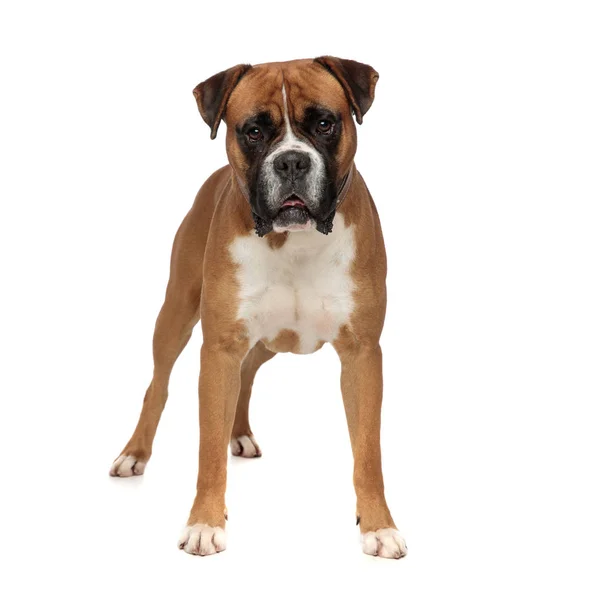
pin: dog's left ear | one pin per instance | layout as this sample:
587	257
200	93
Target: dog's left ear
357	79
212	95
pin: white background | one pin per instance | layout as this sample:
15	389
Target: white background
482	151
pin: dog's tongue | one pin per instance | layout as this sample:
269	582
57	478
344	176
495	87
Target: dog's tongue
293	201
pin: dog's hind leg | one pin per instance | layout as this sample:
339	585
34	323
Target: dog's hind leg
176	320
242	440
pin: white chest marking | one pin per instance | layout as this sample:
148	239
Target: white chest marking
304	286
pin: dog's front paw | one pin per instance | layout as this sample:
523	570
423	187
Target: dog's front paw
203	540
386	543
127	466
245	446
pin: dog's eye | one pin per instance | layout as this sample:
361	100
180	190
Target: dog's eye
324	127
254	134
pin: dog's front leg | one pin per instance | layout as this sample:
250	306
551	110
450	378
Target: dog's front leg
219	389
362	390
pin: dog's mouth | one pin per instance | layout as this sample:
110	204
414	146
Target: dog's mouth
293	200
293	215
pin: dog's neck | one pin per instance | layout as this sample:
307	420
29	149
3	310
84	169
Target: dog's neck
343	189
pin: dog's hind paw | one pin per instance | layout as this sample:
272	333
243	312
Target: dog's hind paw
127	466
245	446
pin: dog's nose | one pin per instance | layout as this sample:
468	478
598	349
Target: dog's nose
292	164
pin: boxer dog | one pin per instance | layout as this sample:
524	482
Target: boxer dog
282	251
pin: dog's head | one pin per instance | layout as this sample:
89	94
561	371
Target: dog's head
291	138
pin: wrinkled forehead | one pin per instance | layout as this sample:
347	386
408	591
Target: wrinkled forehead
307	84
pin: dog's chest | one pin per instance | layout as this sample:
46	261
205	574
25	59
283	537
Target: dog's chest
296	297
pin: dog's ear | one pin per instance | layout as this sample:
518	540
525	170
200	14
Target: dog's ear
357	79
212	95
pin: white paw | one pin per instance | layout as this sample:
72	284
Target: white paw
245	446
387	543
126	466
203	540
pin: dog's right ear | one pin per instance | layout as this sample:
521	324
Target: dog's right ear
212	95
